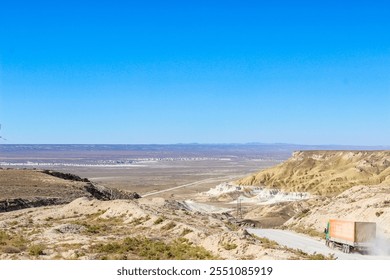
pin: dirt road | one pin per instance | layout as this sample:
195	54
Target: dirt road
309	245
210	180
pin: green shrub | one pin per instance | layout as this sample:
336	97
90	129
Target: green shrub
186	231
159	220
265	242
229	246
309	231
169	226
36	250
231	226
140	220
379	213
15	241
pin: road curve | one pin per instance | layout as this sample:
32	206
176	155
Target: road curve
308	244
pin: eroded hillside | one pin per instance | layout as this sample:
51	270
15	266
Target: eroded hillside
325	172
130	229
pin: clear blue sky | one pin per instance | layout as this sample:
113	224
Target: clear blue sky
305	72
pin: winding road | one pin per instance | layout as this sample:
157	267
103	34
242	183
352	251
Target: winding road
309	245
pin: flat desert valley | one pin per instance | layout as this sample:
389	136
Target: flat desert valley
171	170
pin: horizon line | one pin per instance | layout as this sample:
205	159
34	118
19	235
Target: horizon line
196	143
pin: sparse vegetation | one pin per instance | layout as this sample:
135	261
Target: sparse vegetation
309	231
232	226
159	220
36	249
379	213
12	243
265	242
13	223
144	248
301	255
169	226
140	220
99	225
302	214
229	246
186	231
94	228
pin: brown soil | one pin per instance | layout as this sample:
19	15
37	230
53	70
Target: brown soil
33	183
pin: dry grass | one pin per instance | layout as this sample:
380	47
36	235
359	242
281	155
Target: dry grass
12	242
169	226
101	226
36	250
298	254
159	220
229	246
308	231
148	249
266	243
186	231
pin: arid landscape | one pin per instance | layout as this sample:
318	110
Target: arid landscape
186	202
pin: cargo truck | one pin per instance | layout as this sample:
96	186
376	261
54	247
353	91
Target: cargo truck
350	236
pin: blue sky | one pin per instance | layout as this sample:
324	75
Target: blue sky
304	72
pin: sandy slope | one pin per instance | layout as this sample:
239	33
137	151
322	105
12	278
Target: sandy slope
325	172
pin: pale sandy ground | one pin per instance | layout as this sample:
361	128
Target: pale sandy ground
160	176
63	230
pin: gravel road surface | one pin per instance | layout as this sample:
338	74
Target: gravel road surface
309	245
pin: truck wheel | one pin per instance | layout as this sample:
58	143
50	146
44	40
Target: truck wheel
346	249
